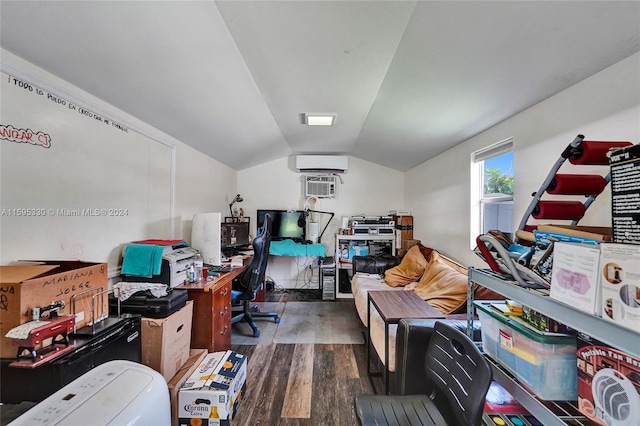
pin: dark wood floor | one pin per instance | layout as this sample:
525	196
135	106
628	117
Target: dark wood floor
302	384
293	384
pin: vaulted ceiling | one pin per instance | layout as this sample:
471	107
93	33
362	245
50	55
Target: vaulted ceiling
407	79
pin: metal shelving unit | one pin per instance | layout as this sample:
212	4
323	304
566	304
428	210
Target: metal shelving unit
610	333
605	331
366	238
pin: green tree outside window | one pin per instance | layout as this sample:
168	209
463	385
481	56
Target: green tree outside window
496	182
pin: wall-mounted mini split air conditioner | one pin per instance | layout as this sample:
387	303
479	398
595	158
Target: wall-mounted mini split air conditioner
322	163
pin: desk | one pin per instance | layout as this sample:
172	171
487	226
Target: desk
392	307
211	325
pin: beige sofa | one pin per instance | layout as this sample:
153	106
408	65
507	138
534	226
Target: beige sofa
440	281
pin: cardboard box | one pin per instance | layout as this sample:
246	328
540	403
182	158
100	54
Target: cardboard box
196	356
625	194
575	276
166	341
39	283
214	390
407	244
608	383
404	226
599	233
620	283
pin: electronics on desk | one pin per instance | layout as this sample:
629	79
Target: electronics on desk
373	225
234	237
285	224
206	236
175	263
313	228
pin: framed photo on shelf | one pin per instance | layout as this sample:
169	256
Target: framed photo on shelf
239	218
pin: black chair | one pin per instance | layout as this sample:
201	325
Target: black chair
458	378
247	285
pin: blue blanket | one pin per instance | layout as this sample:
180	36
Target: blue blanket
291	248
142	260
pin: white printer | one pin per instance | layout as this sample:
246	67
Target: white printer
175	263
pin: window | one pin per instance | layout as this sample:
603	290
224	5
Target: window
492	189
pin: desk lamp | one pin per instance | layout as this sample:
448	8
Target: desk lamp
237	199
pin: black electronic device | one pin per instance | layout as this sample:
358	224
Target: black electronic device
328	278
120	340
219	269
286	224
233	237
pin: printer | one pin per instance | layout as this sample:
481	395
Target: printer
176	260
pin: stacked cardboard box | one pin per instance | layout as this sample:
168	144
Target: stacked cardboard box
196	356
404	233
213	391
39	284
166	341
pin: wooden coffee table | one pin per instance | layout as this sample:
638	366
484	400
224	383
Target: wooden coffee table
393	305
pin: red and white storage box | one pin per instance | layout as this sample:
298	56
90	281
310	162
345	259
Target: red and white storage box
541	361
608	384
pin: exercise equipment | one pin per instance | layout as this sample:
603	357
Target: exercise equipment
504	258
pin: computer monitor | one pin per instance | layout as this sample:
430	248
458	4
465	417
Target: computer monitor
234	236
285	224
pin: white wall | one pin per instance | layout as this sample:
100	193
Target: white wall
191	182
202	185
605	106
367	189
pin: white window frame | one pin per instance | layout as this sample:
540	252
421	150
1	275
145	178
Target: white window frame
477	179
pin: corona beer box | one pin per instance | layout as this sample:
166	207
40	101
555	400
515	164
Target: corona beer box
38	284
214	390
608	383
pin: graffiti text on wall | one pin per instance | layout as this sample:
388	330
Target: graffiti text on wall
11	134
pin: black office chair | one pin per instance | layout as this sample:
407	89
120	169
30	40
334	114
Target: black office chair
459	377
247	285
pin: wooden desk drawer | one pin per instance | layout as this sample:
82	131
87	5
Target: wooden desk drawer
222	318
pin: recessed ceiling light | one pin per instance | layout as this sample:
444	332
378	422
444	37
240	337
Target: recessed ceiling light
319	119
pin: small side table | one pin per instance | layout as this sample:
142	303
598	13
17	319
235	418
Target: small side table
393	305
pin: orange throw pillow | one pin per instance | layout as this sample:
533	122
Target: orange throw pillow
444	287
409	270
